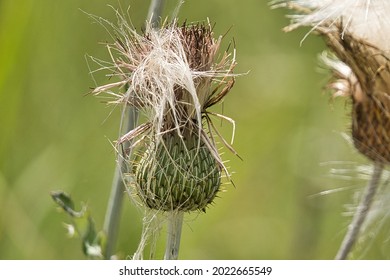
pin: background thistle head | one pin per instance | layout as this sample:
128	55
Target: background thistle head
355	32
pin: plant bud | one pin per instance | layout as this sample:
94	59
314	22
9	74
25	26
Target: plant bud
179	173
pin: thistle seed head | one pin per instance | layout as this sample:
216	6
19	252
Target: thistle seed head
173	75
354	32
362	72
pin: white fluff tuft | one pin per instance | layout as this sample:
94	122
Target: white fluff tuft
159	72
365	19
153	66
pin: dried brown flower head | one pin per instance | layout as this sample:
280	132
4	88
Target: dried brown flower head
354	31
368	84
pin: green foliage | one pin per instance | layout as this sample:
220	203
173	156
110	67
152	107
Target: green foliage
82	225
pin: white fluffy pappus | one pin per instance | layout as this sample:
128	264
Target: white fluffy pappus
364	19
172	75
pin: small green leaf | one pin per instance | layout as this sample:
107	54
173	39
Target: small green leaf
82	225
64	200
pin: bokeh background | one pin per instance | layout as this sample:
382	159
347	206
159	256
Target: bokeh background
53	136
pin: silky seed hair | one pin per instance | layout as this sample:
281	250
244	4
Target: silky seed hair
364	19
172	75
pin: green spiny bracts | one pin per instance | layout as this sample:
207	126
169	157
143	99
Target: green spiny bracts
177	174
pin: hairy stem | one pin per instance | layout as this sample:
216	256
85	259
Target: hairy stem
175	222
114	207
360	214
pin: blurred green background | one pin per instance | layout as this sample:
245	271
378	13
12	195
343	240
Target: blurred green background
53	136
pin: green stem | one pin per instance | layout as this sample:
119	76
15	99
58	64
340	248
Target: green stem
155	11
360	214
114	207
175	223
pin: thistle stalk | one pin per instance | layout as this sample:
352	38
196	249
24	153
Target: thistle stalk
360	213
175	222
114	207
155	11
